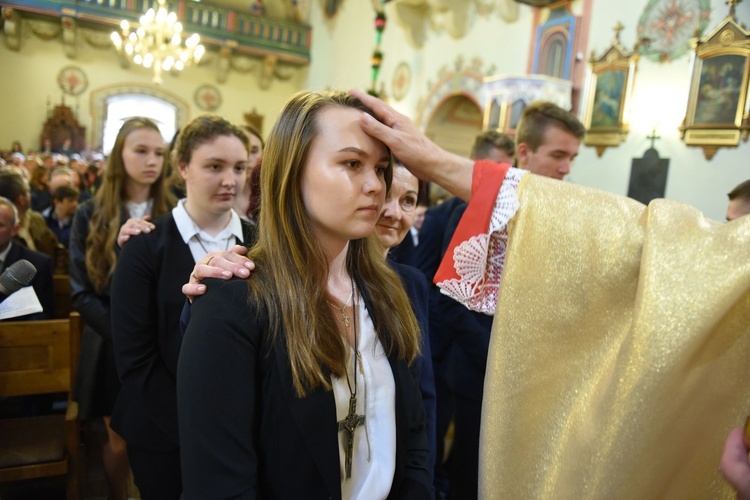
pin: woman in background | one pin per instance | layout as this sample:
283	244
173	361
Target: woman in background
211	156
39	182
133	187
247	203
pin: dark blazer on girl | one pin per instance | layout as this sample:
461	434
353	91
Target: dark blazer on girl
418	289
270	443
146	304
96	384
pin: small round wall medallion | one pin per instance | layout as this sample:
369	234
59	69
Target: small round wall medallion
401	81
72	80
207	98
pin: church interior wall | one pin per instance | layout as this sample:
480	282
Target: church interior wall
30	80
659	100
340	56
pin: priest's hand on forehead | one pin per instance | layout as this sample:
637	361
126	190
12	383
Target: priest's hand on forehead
420	155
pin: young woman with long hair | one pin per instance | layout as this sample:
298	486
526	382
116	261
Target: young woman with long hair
211	156
133	186
296	383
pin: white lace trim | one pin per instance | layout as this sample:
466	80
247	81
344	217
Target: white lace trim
479	261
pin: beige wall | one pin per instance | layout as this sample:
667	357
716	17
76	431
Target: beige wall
342	48
30	79
341	59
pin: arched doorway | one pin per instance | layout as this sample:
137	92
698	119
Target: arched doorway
453	125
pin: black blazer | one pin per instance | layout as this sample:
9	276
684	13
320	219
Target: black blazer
427	259
96	384
146	304
404	252
470	334
42	282
429	252
244	432
417	289
93	306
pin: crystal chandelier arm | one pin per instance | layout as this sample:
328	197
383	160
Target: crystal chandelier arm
158	42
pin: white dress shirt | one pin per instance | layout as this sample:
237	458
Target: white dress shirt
199	241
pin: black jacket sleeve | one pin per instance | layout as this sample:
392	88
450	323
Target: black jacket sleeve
417	288
93	307
135	333
216	394
417	480
45	288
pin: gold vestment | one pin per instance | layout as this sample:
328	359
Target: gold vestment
620	352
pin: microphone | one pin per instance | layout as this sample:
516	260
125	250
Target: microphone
15	277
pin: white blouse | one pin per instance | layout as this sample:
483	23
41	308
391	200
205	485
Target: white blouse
139	210
374	453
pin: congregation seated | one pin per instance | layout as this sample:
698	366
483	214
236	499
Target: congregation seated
11	252
60	216
41	201
66	148
32	228
46	148
39	184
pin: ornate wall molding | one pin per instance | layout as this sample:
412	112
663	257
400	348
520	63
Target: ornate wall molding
459	79
269	46
44	30
415	17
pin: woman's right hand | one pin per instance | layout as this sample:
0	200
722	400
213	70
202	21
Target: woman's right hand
133	227
218	264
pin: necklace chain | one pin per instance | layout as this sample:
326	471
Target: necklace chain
205	250
352	421
356	342
345	319
342	310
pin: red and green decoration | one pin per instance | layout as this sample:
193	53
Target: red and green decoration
666	27
377	55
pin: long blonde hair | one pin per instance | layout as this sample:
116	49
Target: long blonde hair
108	206
292	269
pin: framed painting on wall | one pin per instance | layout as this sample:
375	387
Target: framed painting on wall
717	95
717	108
608	91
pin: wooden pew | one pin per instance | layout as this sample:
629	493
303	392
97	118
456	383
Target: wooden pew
40	357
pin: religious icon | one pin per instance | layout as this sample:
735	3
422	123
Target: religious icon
608	90
719	89
717	109
608	97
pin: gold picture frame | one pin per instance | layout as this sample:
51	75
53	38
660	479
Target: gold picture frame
609	90
717	110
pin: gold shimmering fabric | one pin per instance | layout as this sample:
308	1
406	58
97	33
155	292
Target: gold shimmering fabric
620	354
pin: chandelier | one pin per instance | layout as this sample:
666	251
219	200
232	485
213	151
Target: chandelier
158	42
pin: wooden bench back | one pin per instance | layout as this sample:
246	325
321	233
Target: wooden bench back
38	357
